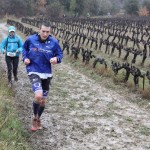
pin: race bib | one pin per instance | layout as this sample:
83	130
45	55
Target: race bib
11	54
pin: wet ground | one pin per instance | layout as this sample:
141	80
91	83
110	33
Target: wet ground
81	114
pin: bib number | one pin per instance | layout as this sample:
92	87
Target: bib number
11	54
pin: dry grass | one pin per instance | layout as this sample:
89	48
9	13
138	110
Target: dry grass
146	93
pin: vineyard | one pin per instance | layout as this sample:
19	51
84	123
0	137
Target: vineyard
96	98
116	47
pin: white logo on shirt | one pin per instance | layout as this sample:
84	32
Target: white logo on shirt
36	44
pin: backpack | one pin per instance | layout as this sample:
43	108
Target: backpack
11	42
10	53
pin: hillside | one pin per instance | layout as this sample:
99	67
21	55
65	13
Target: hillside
81	114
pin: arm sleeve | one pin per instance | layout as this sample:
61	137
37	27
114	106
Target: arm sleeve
3	45
20	46
58	53
25	49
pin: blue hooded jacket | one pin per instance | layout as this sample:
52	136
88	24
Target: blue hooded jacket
11	44
40	53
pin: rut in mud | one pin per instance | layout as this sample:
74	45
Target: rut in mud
81	114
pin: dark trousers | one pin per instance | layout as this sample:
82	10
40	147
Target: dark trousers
12	64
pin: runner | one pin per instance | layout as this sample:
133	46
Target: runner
39	52
11	46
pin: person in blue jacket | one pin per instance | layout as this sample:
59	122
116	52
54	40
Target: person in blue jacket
40	51
11	46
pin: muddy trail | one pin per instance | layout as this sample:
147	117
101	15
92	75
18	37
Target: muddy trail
81	114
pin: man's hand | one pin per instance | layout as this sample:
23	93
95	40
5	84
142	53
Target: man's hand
53	60
27	61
